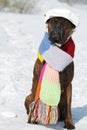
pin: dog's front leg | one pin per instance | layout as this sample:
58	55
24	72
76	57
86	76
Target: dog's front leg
36	73
68	120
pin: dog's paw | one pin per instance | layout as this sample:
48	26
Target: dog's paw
69	126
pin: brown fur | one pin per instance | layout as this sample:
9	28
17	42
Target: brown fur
66	77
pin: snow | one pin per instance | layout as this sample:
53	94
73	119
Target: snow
20	36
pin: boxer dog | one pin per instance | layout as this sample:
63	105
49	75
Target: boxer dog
59	31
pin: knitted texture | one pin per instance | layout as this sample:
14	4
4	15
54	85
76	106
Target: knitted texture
50	87
47	114
57	58
39	83
45	110
43	113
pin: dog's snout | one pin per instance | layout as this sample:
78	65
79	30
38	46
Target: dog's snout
56	33
60	31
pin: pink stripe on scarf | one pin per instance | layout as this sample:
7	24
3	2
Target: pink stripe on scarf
42	72
51	75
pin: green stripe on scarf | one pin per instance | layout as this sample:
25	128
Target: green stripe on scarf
50	92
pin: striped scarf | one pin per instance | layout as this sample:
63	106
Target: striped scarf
55	61
48	89
54	56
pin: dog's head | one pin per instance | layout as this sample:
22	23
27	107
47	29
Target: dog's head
59	29
60	24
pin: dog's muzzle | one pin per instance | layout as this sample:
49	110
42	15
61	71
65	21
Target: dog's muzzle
56	34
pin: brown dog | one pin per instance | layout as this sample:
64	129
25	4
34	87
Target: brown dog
59	29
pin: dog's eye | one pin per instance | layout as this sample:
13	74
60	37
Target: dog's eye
66	25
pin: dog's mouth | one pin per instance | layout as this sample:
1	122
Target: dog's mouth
57	34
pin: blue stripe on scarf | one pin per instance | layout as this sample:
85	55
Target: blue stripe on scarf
45	44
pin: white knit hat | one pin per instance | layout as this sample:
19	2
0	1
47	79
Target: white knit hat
65	13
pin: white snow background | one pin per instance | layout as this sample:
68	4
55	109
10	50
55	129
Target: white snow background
20	36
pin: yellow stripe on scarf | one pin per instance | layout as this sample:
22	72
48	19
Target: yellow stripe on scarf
40	57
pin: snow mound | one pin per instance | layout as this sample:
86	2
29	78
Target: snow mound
8	114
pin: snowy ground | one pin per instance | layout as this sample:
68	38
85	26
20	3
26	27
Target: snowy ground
20	36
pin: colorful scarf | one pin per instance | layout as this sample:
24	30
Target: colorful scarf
45	109
54	56
48	89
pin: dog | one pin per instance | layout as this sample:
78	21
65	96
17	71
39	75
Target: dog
59	31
